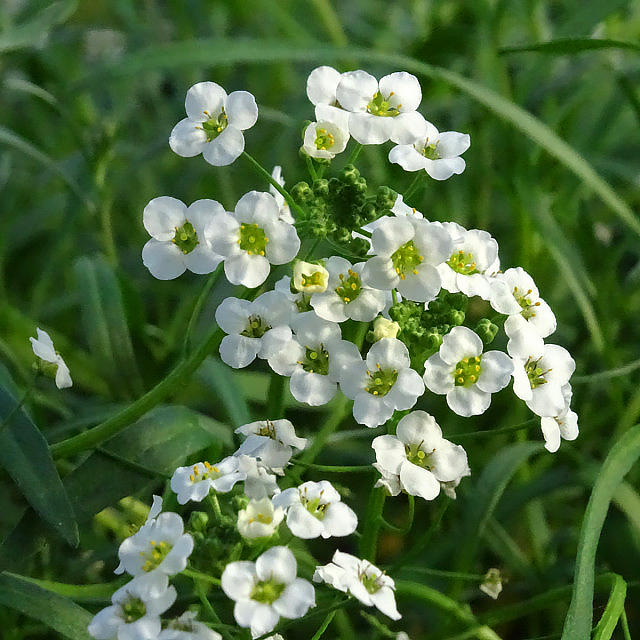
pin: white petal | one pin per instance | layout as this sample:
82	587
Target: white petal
238	579
202	260
249	270
162	216
468	401
204	97
63	378
419	426
408	127
391	234
390	353
405	391
370	410
419	482
239	351
241	109
274	340
390	453
452	144
224	149
444	168
187	138
422	286
378	273
163	259
302	524
296	599
277	563
283	243
407	157
369	129
385	601
355	89
405	89
551	433
312	388
460	343
322	84
232	314
496	370
438	375
339	520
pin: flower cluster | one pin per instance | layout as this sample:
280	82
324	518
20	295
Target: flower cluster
397	280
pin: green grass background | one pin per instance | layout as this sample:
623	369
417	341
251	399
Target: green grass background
89	92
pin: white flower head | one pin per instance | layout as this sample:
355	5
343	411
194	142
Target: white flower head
214	123
540	376
437	153
473	259
324	140
134	613
195	482
362	580
43	348
283	205
309	278
259	481
382	383
515	294
180	237
315	509
266	590
272	441
346	296
419	455
159	548
385	328
259	519
563	426
186	627
465	374
314	359
492	583
407	252
252	238
380	111
255	328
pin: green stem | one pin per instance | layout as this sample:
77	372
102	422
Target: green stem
324	625
331	22
310	168
285	194
198	575
394	296
414	186
197	307
492	432
372	522
212	500
275	397
314	244
454	575
361	468
625	625
210	610
448	605
355	153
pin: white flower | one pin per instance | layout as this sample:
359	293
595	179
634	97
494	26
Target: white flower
492	583
159	548
272	441
267	589
380	111
467	376
195	482
321	91
252	238
258	479
384	328
186	627
134	613
315	509
214	123
539	376
515	294
283	205
324	139
382	383
180	237
437	153
346	296
407	251
298	298
309	278
43	348
256	328
362	580
314	359
564	425
420	456
475	253
259	519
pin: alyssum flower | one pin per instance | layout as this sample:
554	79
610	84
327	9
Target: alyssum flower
465	374
214	123
43	348
186	627
259	519
314	509
252	238
420	457
267	589
195	481
180	237
362	580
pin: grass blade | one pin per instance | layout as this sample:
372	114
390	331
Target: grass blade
571	45
613	610
616	465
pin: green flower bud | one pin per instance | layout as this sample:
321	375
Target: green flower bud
301	192
198	522
486	330
360	185
456	317
349	174
385	197
321	187
369	212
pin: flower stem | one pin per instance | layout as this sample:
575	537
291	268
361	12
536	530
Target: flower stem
212	500
373	520
324	625
210	610
275	397
355	153
198	575
414	186
327	468
310	168
285	194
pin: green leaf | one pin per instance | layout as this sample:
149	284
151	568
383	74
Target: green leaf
24	453
105	324
255	51
101	592
571	45
223	381
617	464
613	610
57	612
33	32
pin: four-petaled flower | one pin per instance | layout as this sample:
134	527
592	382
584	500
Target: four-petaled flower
43	348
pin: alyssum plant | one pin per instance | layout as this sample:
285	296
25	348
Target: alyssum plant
402	282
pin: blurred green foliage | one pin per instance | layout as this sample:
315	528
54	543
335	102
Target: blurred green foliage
89	92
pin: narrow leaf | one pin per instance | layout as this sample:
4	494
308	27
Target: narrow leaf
613	610
571	45
221	378
57	612
24	453
617	464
